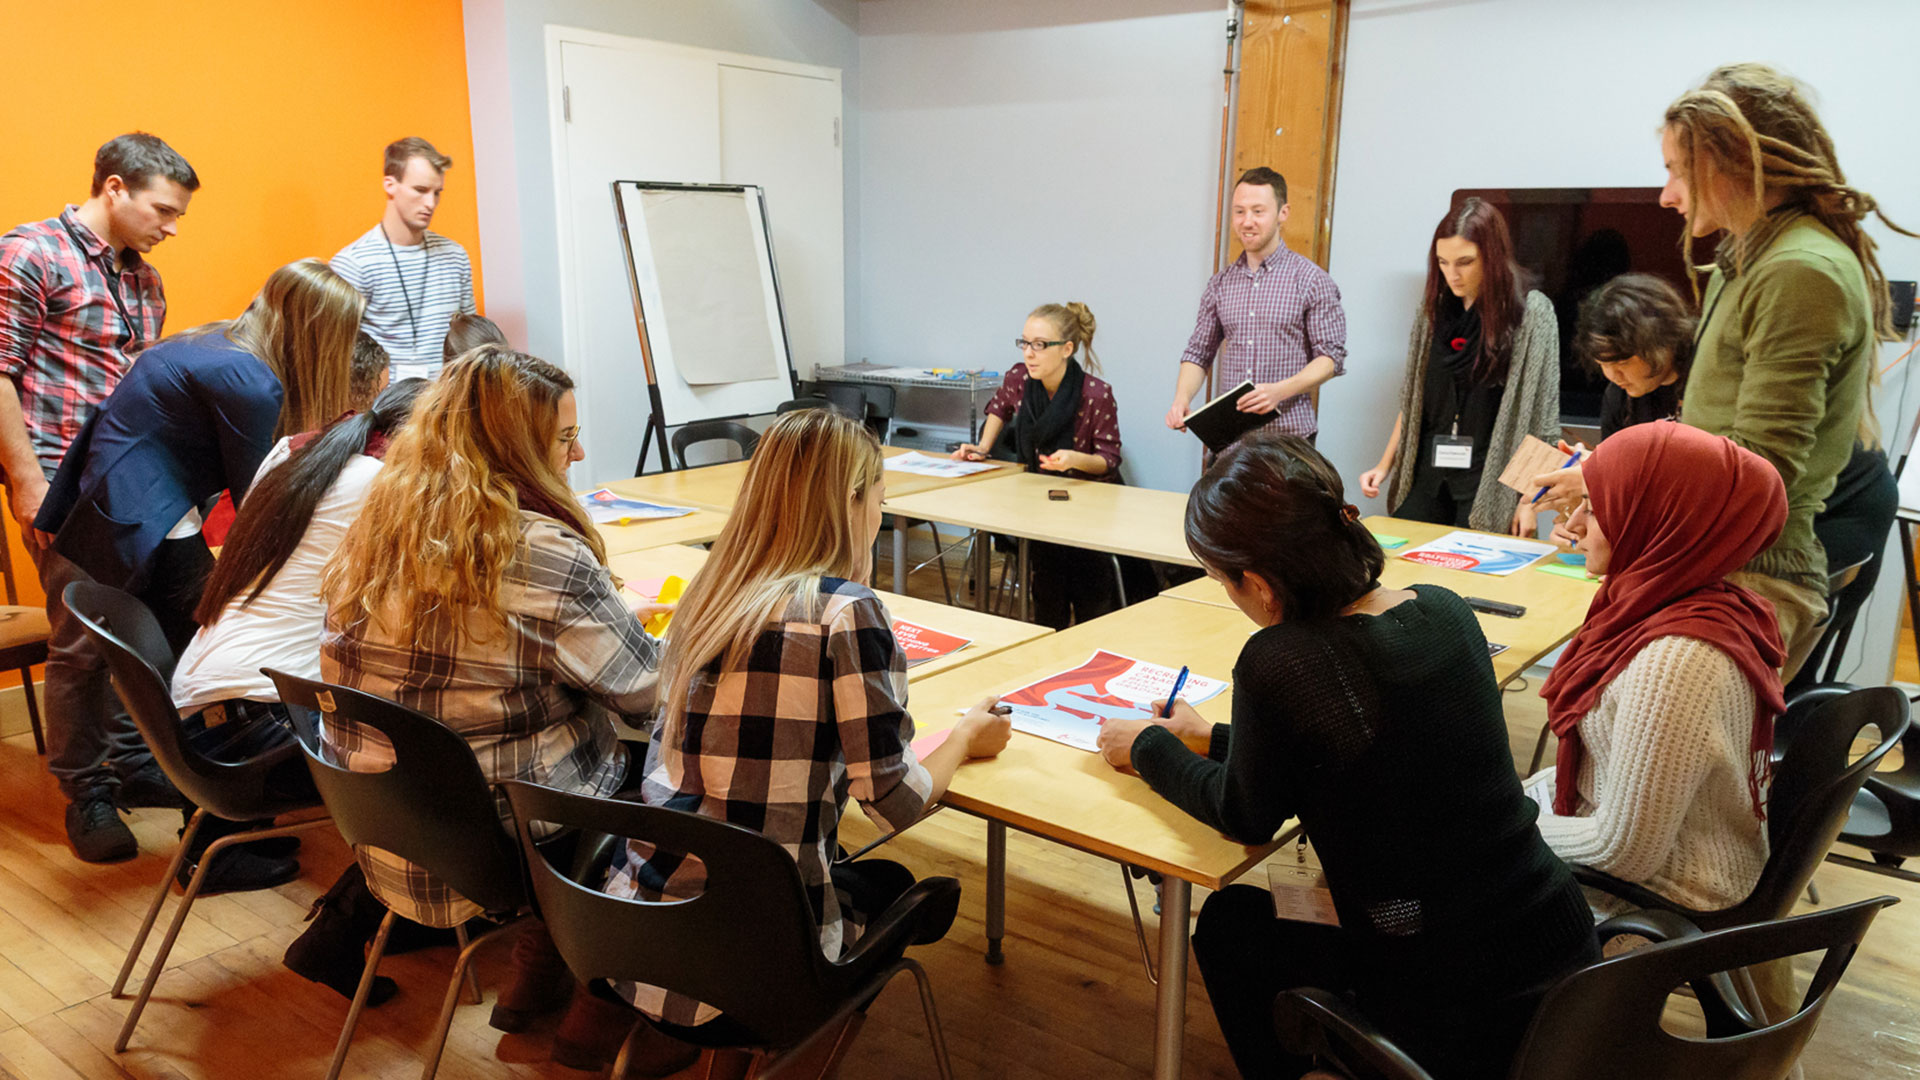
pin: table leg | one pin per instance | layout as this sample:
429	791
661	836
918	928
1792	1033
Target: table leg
996	889
982	564
900	527
1026	582
1170	1018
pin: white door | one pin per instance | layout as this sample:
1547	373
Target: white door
641	110
782	132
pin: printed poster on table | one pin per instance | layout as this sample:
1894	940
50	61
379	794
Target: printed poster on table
921	464
1070	707
1482	553
606	508
921	644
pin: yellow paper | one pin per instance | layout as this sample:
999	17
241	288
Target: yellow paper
670	591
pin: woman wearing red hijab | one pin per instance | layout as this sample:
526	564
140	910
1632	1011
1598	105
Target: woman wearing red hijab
1664	702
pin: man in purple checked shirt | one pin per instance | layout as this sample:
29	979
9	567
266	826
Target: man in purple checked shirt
1277	314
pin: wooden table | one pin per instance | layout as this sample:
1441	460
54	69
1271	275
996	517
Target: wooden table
717	487
989	634
1075	798
698	527
1556	606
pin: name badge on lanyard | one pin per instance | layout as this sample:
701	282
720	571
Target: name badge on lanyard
1453	451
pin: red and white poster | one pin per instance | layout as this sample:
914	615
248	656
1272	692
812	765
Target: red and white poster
1070	707
922	644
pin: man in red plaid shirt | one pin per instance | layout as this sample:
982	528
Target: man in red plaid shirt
1273	317
77	302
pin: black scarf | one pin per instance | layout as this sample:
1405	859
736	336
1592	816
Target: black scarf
1045	425
1456	341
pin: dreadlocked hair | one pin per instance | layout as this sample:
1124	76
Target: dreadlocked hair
1753	122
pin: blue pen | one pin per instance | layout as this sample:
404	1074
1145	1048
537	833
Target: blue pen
1571	462
1178	682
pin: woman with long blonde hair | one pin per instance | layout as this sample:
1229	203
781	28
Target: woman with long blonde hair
783	692
474	588
194	417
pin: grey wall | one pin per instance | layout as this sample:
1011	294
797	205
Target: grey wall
1019	152
507	77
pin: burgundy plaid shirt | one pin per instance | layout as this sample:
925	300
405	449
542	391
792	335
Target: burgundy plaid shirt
1274	321
69	325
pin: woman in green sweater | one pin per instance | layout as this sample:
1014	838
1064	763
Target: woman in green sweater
1792	314
1372	715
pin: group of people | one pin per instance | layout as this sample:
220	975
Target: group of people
418	540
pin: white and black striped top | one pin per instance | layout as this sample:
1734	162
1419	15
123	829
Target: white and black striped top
412	294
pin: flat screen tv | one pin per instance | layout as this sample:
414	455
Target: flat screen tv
1571	241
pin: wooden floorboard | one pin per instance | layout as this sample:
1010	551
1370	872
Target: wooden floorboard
1071	1000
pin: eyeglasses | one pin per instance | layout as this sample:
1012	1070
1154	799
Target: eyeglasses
569	437
1034	346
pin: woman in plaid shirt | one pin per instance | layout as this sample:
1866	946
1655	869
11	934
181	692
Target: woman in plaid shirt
474	589
776	639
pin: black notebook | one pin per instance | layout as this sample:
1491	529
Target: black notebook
1219	422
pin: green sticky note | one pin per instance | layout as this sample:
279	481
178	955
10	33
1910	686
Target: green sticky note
1390	541
1577	573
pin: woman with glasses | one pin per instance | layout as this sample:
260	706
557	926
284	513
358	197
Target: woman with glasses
1065	423
474	589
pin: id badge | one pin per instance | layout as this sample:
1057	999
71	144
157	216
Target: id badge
1452	452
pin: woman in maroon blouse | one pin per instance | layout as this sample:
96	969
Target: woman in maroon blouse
1062	420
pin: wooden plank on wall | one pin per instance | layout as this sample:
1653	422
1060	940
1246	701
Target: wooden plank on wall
1291	66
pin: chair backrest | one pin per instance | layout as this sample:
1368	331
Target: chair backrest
805	401
747	945
141	663
432	808
1813	788
1605	1020
741	436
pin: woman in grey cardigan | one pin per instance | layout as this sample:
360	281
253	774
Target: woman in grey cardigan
1483	372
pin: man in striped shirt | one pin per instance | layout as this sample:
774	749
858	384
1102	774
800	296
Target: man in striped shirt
1277	313
415	280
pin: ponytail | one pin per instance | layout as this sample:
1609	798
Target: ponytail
274	519
1073	321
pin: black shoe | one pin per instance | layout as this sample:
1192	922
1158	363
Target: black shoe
96	832
148	786
332	951
213	828
238	870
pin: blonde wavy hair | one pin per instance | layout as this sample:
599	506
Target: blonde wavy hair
442	520
1755	127
302	325
793	525
1073	321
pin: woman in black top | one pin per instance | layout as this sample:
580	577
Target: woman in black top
1638	332
1372	715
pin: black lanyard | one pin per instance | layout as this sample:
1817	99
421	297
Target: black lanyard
130	339
406	296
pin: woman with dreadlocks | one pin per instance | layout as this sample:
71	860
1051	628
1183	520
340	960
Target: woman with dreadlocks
1792	313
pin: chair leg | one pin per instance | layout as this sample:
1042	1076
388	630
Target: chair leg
1539	750
462	973
153	909
474	996
360	995
186	904
934	1033
33	711
940	560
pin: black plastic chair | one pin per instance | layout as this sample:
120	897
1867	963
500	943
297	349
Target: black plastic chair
1885	816
1813	788
1604	1022
743	438
805	401
142	664
433	808
748	945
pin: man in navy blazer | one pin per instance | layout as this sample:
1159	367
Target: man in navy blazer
193	417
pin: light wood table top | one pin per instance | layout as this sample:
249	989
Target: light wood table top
1556	606
988	634
716	487
1074	797
1122	520
698	527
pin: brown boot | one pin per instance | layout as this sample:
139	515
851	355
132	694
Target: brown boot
591	1032
540	984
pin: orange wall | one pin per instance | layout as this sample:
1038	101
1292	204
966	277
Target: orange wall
283	109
